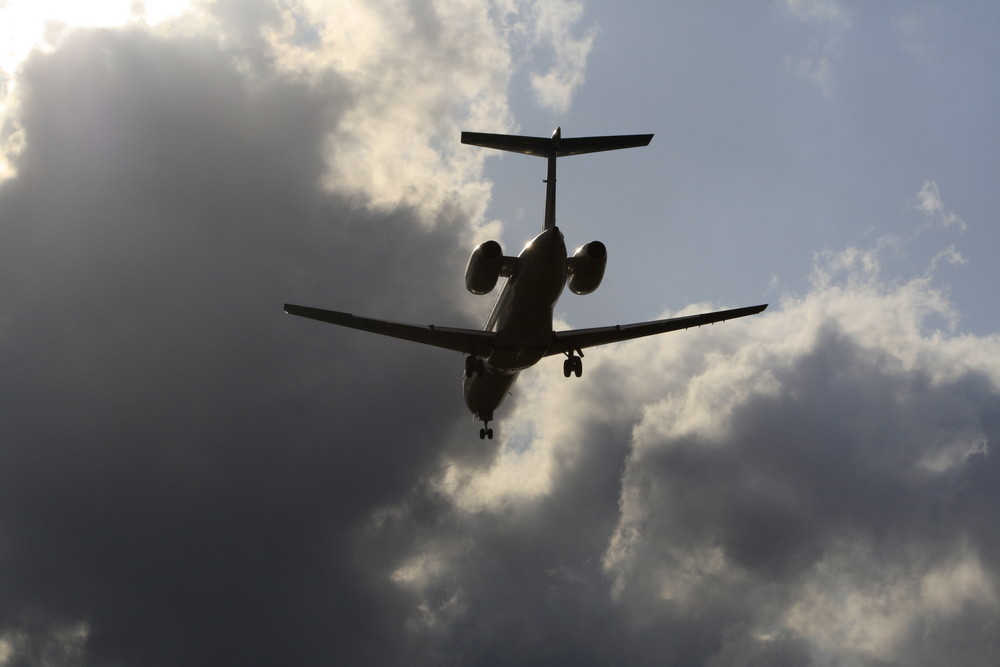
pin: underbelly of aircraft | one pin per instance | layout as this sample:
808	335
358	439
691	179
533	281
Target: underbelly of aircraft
484	394
511	361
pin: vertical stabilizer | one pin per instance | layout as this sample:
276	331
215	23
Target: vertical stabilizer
550	181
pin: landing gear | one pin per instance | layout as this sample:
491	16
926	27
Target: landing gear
474	366
486	432
573	364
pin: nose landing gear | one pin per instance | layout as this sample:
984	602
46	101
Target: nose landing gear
486	431
474	366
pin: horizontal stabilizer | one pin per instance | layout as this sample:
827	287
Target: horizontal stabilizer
544	146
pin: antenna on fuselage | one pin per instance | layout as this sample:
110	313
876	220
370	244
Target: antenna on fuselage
551	148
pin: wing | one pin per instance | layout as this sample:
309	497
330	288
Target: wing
469	341
577	339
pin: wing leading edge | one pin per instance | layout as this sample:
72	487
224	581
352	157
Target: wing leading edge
469	341
564	342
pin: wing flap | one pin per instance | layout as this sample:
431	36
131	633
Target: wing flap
577	339
469	341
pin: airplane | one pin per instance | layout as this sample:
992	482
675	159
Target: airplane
518	332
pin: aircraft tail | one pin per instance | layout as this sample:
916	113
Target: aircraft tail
551	148
546	146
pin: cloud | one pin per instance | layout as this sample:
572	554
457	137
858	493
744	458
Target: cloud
818	11
161	409
417	76
929	203
189	477
829	21
807	486
186	472
41	26
554	88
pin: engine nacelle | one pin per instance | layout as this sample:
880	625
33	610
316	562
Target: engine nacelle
484	267
586	267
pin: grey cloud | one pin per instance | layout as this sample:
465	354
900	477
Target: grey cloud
184	468
815	495
814	528
833	510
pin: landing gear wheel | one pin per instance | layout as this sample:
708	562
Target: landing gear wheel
573	364
482	434
489	433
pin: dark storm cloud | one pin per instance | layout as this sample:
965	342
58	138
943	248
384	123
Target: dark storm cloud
184	467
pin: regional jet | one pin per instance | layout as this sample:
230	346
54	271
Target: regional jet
518	332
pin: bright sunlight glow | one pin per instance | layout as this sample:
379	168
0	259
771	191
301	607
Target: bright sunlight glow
40	24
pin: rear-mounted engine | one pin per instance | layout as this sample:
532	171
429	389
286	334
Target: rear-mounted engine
484	267
586	267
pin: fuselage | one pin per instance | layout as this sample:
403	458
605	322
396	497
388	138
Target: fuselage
522	320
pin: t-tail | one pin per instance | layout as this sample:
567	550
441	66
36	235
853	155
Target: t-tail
552	148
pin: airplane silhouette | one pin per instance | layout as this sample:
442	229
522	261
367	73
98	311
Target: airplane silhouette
518	332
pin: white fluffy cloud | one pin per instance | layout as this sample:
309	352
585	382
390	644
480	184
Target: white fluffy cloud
554	23
417	74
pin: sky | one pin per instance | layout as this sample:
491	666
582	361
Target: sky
189	476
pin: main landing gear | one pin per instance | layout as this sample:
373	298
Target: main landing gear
474	366
573	364
486	431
